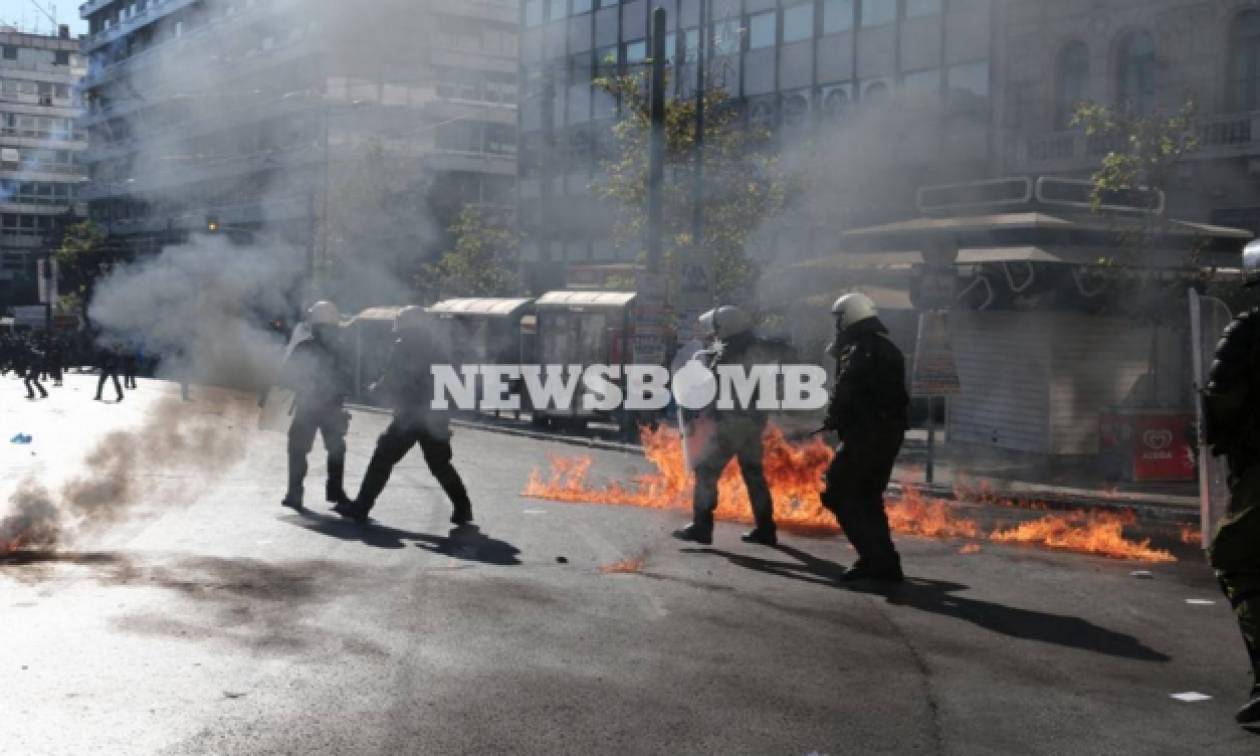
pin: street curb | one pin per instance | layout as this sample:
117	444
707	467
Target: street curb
1057	502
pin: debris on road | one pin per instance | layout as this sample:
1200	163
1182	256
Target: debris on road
1200	602
971	548
21	438
1191	697
562	560
628	566
1142	574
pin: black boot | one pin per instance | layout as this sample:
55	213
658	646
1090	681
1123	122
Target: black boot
701	531
292	501
351	510
761	535
462	514
335	494
888	570
1249	714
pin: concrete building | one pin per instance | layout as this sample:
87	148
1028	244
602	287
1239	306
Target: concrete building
795	66
40	150
355	130
1152	57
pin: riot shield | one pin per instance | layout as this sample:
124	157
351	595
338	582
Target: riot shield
1208	319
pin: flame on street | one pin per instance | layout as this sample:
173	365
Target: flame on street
794	472
628	566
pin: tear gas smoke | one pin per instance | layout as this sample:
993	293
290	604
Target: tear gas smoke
161	460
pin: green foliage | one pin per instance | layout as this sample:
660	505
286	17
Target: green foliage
1143	149
83	255
743	183
483	261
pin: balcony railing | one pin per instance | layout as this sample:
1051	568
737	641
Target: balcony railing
1221	136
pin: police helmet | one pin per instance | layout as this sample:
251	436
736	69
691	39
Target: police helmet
726	321
852	309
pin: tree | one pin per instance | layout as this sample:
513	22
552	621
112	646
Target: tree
1143	149
744	184
83	254
483	261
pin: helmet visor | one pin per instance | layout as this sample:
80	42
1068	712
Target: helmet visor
1251	262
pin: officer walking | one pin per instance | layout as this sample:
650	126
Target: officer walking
407	386
869	411
107	360
34	364
735	433
315	374
1231	405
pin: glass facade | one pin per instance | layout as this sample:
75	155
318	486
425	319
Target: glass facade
792	63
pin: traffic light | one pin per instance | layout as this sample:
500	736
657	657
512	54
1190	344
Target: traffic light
212	224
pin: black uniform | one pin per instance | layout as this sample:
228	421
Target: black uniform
408	387
107	360
870	412
1232	413
316	376
736	433
30	376
129	360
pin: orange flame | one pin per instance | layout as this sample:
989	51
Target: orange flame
1191	535
1093	532
628	566
971	548
794	472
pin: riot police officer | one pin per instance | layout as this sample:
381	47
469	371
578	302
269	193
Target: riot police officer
407	386
869	411
1232	428
315	374
734	433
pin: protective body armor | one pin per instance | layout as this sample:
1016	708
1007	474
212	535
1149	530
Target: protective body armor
1231	401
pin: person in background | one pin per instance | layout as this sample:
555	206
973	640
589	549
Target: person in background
107	361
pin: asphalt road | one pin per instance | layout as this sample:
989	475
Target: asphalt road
207	619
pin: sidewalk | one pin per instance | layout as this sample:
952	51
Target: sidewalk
962	472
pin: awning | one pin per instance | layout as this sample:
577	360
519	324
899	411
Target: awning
607	300
1073	255
379	314
481	307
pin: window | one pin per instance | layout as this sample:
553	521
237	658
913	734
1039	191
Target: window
692	52
533	12
606	62
726	37
1137	72
922	82
798	23
1244	63
557	9
636	53
1072	82
762	30
10	52
580	68
581	6
608	3
878	12
837	16
62	58
920	8
969	85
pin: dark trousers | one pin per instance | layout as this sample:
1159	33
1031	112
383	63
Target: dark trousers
330	422
31	378
855	485
129	374
434	440
739	438
105	374
1235	554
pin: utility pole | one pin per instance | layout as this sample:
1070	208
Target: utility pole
656	147
697	194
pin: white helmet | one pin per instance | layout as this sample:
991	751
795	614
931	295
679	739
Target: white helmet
1251	264
725	322
323	313
852	309
409	319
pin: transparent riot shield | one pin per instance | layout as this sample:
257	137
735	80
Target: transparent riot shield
1208	319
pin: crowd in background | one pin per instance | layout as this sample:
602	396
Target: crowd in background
36	357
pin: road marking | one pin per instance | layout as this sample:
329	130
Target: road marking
1191	697
1200	602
